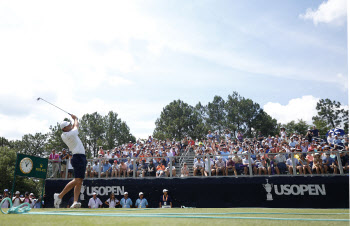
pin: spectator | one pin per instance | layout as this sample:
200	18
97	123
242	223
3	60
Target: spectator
289	164
329	163
209	135
165	200
101	152
227	135
129	167
27	199
142	169
141	202
39	203
89	170
259	166
344	158
96	169
108	155
151	169
283	133
112	202
330	139
167	170
63	158
54	158
115	169
198	166
337	141
220	166
209	166
184	170
16	201
230	166
160	170
106	168
6	203
315	132
239	136
270	164
317	164
126	201
123	169
95	202
69	165
246	161
305	165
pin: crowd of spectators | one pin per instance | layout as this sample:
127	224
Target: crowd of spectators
19	198
217	154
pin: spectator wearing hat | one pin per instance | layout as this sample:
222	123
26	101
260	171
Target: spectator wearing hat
54	158
126	201
115	169
6	203
220	166
141	202
17	200
165	200
95	202
167	170
89	171
112	202
64	156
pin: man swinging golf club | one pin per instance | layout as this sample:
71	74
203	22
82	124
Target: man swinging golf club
71	139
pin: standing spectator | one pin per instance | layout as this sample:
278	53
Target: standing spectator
283	133
184	170
108	155
239	136
315	132
227	135
54	158
16	201
6	203
33	200
309	135
95	202
209	135
63	158
126	201
27	199
165	200
141	202
112	202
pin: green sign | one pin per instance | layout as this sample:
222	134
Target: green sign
31	166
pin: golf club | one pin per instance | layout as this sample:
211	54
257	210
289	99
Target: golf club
53	105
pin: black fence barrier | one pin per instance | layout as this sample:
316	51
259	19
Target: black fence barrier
224	192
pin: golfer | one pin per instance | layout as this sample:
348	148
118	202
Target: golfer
78	161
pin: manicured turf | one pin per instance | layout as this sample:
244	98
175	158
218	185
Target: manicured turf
233	216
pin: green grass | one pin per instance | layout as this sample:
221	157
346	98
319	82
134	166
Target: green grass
176	217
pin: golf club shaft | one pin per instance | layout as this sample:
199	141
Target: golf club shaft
54	105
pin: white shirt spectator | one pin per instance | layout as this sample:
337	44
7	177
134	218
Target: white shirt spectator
96	168
207	166
94	203
112	203
280	158
108	156
16	201
330	139
198	164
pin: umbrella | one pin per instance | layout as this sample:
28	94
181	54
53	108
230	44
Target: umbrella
336	131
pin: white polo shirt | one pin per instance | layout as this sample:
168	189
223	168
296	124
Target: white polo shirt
73	142
94	203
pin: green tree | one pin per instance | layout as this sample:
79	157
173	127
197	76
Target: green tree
32	144
265	123
233	120
54	138
248	111
321	125
113	129
299	127
332	112
217	114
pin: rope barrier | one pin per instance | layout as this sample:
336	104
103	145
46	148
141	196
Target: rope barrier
23	208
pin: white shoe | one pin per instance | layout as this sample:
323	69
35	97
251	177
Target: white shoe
76	205
57	200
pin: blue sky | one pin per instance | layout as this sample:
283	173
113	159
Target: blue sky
134	57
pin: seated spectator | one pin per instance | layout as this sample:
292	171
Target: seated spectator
220	166
160	170
246	162
209	167
317	164
108	155
142	169
198	167
129	167
184	170
115	169
151	169
290	167
96	169
230	166
330	139
167	170
94	202
270	164
329	163
337	141
259	165
89	171
304	165
344	158
106	167
112	202
123	169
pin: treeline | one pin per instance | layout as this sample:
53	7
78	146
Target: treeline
236	113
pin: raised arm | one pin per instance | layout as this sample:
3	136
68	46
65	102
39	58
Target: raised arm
75	124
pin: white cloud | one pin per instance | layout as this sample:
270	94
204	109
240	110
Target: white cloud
299	108
329	12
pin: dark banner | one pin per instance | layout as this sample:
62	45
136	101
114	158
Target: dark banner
31	166
224	192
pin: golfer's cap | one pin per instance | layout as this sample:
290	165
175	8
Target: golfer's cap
126	193
64	124
141	193
94	193
31	194
89	163
17	193
165	190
